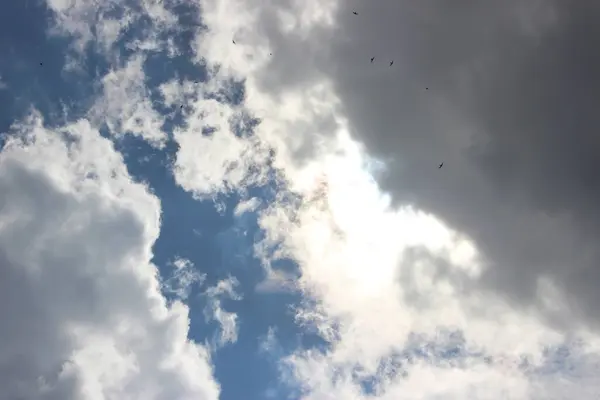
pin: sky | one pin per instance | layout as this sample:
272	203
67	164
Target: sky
227	199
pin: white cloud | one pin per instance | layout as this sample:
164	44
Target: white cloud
125	105
84	317
208	163
247	206
225	289
103	23
357	261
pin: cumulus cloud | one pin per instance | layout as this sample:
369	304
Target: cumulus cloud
83	312
497	246
503	94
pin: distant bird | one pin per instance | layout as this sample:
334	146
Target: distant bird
426	88
391	63
41	64
181	107
354	12
372	59
441	165
233	41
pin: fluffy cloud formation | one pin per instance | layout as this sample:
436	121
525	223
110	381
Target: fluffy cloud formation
82	310
503	94
214	154
498	256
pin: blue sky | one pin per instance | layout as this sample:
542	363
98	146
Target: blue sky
184	217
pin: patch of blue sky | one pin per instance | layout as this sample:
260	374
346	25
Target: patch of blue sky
32	66
219	244
211	238
255	371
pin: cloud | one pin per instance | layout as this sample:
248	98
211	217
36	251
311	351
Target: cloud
504	95
103	24
184	277
125	105
212	156
224	289
488	246
83	310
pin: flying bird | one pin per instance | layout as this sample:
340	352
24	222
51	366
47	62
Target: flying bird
391	63
372	59
233	41
441	165
354	12
41	64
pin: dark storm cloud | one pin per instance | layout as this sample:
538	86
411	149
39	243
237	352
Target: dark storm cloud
506	94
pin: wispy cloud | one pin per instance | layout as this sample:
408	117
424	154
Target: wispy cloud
184	277
224	290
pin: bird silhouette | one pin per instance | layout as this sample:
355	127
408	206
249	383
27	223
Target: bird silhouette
233	41
372	59
441	165
354	12
391	63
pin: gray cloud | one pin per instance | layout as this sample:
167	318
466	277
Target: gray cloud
506	95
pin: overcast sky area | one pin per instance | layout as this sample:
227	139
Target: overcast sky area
303	200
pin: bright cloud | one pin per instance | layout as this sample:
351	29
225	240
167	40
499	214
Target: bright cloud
85	316
378	274
125	106
212	158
